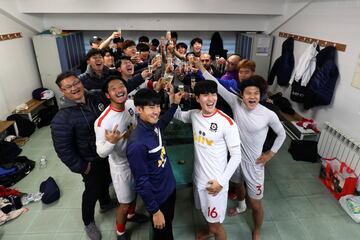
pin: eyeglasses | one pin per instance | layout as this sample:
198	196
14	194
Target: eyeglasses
76	83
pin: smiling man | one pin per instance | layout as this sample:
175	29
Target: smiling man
253	121
112	130
215	134
154	178
73	137
96	72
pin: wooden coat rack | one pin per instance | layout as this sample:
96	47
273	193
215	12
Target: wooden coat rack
10	36
320	42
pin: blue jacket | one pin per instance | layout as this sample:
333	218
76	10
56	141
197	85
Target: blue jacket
321	86
150	166
72	131
284	65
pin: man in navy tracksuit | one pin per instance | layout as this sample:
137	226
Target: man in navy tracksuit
154	179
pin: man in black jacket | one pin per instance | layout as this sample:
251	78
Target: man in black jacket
73	136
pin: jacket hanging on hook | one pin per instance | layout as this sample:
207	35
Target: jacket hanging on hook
284	65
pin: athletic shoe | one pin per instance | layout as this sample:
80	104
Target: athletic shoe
138	218
92	231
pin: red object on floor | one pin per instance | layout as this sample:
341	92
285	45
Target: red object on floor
4	192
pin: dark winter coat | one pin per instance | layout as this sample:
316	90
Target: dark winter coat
284	65
72	131
321	87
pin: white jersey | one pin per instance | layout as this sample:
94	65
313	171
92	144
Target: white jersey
253	124
126	121
213	136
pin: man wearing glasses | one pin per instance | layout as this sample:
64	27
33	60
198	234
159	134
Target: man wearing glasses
73	136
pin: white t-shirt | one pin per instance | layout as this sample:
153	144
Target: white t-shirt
126	121
213	136
253	124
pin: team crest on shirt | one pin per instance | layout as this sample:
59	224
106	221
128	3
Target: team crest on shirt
101	107
213	127
131	112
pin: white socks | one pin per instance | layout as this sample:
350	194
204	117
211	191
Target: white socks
241	206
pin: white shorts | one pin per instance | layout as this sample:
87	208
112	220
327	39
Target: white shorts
253	175
212	207
124	184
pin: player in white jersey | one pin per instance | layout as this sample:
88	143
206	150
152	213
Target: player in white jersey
215	134
112	129
253	121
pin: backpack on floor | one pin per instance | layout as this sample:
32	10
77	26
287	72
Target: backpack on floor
304	150
51	191
25	126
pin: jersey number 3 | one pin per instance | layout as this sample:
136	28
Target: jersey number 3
212	213
259	190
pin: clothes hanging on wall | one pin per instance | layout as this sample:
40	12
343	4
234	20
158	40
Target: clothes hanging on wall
303	73
306	66
284	65
321	86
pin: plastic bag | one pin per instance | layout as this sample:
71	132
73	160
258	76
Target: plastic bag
351	205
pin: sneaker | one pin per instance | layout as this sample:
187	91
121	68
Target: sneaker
138	218
92	231
125	236
112	204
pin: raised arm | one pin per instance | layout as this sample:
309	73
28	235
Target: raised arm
230	98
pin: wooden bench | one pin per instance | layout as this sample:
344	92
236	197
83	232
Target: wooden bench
4	125
33	107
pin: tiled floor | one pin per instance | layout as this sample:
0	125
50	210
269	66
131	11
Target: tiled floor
296	205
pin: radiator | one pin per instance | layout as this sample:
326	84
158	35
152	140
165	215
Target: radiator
335	143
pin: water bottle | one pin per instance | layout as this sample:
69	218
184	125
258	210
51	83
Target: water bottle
43	162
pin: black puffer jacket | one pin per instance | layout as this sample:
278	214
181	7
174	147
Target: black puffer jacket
320	89
284	65
72	131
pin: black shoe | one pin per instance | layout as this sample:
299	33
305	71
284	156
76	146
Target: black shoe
125	236
138	218
112	204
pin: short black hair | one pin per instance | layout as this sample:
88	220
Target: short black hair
142	47
155	42
174	34
254	81
118	62
146	97
143	39
107	50
196	40
128	43
93	52
181	45
64	75
105	86
204	87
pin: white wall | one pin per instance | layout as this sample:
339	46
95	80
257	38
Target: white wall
18	70
334	21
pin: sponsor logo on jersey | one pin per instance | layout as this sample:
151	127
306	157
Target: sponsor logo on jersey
201	138
163	158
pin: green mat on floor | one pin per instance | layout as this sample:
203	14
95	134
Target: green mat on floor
178	140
